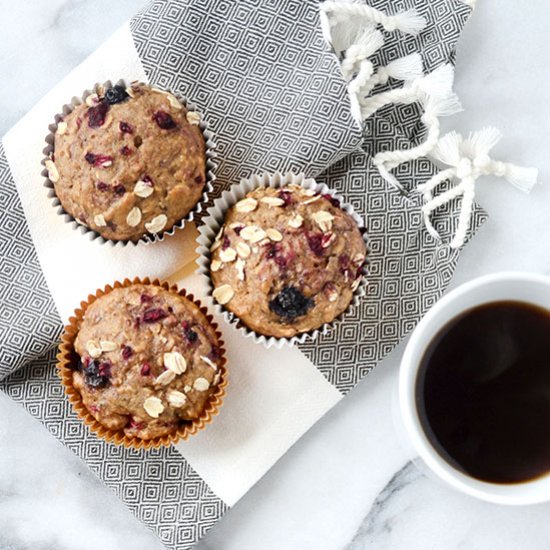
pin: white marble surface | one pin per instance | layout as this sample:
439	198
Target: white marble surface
347	484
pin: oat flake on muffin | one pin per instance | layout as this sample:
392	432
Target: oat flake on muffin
128	161
287	260
149	361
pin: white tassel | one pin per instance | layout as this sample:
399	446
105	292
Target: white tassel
357	86
447	150
438	83
468	160
443	105
409	22
366	45
521	178
481	142
340	22
443	102
404	68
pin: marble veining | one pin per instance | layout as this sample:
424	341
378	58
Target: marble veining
348	484
378	522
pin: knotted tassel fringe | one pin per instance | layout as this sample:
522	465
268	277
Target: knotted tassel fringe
468	160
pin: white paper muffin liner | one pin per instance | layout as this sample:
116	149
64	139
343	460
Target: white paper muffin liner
213	222
148	238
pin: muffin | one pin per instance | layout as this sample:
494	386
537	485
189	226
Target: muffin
147	361
287	260
128	162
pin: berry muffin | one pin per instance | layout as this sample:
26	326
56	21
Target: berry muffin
148	361
287	260
128	161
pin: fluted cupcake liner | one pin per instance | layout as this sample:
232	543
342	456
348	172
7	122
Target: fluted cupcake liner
148	238
67	357
214	221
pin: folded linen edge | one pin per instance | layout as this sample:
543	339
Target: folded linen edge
351	29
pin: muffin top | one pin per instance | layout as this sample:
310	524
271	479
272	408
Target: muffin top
287	260
128	161
149	360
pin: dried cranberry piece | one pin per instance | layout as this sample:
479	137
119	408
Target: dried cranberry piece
345	266
145	298
343	260
105	368
315	243
125	127
145	369
282	262
97	114
214	354
153	315
127	352
126	151
119	189
290	303
102	186
198	179
164	120
226	243
96	374
93	408
238	229
98	160
334	201
147	179
286	196
134	425
116	94
276	254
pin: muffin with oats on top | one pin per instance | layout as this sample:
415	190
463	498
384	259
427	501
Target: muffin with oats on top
147	361
128	161
287	260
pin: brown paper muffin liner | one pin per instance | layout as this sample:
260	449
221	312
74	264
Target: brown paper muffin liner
214	221
67	357
211	166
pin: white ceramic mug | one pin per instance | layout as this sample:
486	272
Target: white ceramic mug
522	287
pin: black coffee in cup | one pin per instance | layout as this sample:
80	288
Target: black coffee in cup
483	392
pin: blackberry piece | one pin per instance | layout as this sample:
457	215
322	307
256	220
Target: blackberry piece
97	374
116	94
290	303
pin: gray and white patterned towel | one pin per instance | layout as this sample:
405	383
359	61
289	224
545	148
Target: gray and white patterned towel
273	95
